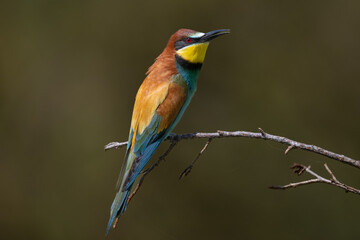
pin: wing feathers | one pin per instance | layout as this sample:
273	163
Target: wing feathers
147	101
170	107
156	114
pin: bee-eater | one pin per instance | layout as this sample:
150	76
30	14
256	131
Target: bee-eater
159	104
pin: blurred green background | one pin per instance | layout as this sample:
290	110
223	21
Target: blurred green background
69	72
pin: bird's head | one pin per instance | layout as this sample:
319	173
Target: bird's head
190	46
184	53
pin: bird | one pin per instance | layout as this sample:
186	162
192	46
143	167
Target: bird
160	102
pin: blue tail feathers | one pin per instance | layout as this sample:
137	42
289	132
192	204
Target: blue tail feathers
118	207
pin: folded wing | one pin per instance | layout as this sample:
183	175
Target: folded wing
155	111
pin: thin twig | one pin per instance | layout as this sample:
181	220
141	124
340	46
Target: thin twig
331	173
260	135
299	169
289	149
189	168
294	185
263	133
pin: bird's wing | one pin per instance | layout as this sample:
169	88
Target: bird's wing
155	111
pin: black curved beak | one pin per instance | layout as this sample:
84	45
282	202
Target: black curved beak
214	34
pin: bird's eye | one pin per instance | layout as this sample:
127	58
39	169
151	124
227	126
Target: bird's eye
188	40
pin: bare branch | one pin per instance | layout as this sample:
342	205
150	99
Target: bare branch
261	135
115	145
299	169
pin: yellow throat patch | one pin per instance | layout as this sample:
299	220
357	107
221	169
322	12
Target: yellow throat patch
194	53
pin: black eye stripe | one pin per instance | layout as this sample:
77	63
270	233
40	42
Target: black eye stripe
185	42
192	40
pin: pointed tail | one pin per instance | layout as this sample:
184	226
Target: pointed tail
120	202
118	207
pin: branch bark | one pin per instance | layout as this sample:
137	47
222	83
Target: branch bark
292	144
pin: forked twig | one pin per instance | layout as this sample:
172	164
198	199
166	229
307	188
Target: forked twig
299	169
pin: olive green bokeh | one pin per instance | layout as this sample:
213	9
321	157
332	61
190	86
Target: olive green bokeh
69	72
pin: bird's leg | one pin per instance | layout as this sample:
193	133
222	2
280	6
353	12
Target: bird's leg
189	168
147	171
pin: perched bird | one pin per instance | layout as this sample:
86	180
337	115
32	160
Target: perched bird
160	102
